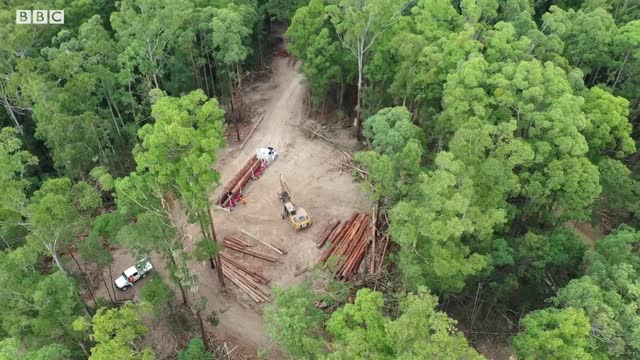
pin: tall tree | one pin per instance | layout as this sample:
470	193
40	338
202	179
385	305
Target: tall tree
14	164
294	321
59	211
147	31
555	334
38	309
360	330
180	150
606	295
229	33
115	332
358	24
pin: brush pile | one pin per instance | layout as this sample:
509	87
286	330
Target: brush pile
248	278
349	242
233	190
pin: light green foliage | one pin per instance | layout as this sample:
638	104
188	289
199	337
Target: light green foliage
58	212
180	147
571	184
432	226
382	177
313	40
228	35
609	130
115	331
361	330
13	166
206	249
294	322
177	152
390	130
327	64
620	190
555	334
608	296
587	36
305	27
101	175
36	309
625	74
150	232
14	163
147	31
9	350
395	164
490	154
194	351
423	332
560	179
358	23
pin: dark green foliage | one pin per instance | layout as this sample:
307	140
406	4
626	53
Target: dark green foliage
283	10
362	330
195	351
157	293
606	294
295	322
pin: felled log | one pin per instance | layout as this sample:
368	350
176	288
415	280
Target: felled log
272	247
247	251
246	278
327	233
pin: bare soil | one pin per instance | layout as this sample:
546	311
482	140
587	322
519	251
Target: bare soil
586	231
310	168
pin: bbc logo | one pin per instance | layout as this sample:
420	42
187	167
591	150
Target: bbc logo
39	16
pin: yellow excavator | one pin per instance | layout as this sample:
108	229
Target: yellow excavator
299	217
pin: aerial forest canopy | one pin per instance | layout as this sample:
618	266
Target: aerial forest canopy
498	137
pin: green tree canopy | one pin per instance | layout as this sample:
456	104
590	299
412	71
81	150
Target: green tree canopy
555	334
115	331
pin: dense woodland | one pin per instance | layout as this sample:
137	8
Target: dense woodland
489	129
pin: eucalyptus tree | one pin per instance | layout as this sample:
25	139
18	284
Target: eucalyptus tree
358	24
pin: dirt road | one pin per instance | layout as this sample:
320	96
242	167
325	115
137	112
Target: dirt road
310	169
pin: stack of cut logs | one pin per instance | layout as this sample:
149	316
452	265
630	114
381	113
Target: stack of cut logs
349	242
248	278
239	181
241	246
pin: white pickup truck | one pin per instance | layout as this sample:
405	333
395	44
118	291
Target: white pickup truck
133	274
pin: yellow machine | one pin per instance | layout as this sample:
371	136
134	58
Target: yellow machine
299	217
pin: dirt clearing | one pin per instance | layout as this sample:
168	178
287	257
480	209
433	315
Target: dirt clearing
310	168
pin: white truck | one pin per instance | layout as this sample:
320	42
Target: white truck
133	274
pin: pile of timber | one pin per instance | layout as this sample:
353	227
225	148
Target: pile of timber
349	242
241	246
248	278
239	181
